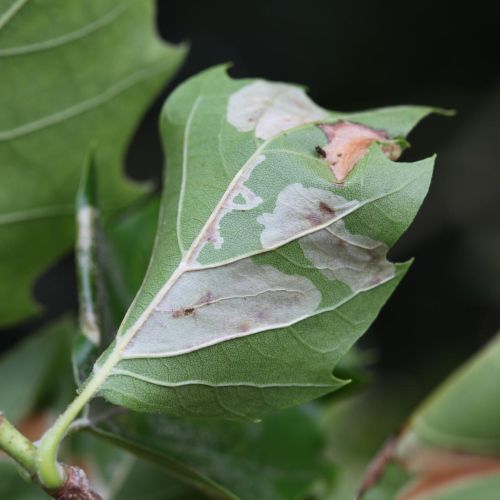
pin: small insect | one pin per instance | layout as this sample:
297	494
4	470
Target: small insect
321	152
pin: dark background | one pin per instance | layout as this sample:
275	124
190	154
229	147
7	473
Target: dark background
363	54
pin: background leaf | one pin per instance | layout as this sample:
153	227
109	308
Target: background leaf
72	73
279	458
35	366
450	447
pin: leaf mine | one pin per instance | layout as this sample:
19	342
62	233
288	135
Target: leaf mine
299	210
356	260
217	304
270	108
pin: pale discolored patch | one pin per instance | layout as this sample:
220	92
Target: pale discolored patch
238	198
349	142
85	241
86	217
208	306
356	260
298	211
270	108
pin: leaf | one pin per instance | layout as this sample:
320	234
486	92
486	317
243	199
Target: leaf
131	237
358	426
14	487
279	458
451	446
265	270
444	421
35	365
149	482
97	65
226	457
118	475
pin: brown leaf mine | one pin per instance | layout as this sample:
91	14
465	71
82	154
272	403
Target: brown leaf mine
349	142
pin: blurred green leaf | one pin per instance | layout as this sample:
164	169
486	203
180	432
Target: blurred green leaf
279	458
464	413
30	373
451	445
15	487
118	475
131	236
357	427
97	65
477	488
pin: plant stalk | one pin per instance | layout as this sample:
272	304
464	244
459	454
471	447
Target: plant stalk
17	446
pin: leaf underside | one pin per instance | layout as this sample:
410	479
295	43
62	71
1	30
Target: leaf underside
219	458
266	268
73	73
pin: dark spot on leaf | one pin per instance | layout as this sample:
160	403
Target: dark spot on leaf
325	208
183	312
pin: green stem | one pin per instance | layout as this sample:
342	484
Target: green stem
50	473
18	447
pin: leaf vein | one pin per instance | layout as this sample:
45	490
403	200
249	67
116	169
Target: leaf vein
72	36
83	106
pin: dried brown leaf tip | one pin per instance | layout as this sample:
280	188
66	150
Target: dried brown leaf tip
349	142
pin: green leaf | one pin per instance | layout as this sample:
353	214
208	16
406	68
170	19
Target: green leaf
444	421
451	445
131	237
266	269
480	488
117	475
13	486
150	482
97	65
358	426
35	366
279	458
226	457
